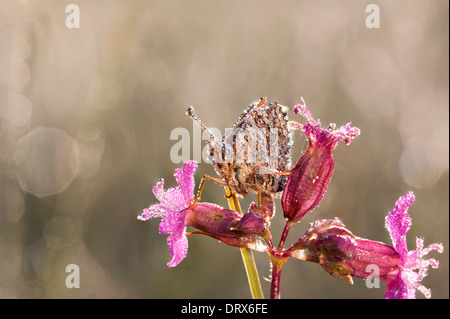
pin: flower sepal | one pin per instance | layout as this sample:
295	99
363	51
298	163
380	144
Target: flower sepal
225	225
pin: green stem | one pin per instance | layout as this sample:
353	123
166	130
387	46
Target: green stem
247	254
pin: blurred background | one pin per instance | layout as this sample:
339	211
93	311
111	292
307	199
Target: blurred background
86	116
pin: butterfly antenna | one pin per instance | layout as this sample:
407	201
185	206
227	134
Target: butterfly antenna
191	114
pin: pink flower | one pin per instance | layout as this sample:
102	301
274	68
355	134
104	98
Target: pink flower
178	211
172	210
340	253
403	281
308	181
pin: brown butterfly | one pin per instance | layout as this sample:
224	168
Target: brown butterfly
258	145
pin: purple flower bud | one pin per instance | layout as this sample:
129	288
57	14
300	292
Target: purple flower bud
225	225
250	223
331	244
212	219
308	181
267	210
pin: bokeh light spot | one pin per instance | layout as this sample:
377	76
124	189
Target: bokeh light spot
12	205
15	108
61	232
421	162
46	161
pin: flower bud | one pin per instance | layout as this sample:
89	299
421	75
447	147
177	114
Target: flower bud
331	245
342	254
307	183
225	225
309	179
267	210
250	223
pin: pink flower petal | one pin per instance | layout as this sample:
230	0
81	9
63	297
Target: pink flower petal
413	267
172	210
398	223
185	178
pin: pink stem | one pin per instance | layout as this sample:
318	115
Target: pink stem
278	260
284	235
275	286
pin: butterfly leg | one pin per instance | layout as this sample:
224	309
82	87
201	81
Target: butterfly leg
266	203
256	187
202	184
273	171
252	175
